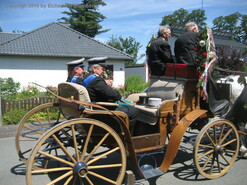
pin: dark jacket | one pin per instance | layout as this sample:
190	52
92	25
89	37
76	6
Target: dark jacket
99	91
185	47
158	53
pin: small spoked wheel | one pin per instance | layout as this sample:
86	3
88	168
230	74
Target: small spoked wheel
81	151
33	125
216	148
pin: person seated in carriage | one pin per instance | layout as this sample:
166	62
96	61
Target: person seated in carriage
75	71
100	91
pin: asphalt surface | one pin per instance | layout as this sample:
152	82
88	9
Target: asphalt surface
8	131
182	171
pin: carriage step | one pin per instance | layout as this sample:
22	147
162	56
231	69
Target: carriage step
149	172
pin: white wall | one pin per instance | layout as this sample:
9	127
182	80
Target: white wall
49	71
137	70
46	71
118	74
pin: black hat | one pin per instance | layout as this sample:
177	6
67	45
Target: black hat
76	63
97	60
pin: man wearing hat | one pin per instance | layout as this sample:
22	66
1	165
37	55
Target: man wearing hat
75	71
99	91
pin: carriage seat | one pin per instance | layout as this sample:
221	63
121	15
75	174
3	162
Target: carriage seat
166	88
74	91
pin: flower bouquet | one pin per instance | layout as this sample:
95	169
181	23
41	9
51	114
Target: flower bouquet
205	57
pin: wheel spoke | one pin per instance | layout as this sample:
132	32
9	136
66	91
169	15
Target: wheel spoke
56	158
206	153
61	177
96	147
221	133
212	165
51	170
87	142
68	180
38	132
89	181
218	163
63	148
226	135
225	159
215	136
229	142
205	146
231	151
209	137
48	115
38	120
102	155
208	159
102	177
104	166
75	142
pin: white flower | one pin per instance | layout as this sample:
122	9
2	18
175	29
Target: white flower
212	54
202	43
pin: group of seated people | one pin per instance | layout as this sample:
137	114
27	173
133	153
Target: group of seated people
98	89
158	53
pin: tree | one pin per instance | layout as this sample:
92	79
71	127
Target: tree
234	23
85	17
128	45
182	16
8	88
1	29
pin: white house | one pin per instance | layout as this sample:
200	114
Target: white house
41	55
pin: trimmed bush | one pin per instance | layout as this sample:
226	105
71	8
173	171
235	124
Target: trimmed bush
13	117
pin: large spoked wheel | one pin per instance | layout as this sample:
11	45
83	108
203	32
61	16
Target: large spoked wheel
81	151
33	125
216	148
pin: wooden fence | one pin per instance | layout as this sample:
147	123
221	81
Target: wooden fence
27	104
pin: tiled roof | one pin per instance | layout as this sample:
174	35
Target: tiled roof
58	40
232	43
4	37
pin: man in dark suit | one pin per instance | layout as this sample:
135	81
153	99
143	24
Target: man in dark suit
159	52
185	45
99	91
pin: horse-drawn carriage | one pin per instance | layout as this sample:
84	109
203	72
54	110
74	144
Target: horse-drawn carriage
83	142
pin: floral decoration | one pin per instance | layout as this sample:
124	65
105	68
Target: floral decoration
201	50
205	57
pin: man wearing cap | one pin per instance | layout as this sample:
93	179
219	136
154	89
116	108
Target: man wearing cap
99	91
75	71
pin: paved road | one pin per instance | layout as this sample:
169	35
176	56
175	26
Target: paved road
12	171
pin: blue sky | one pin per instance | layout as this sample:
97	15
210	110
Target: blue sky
137	18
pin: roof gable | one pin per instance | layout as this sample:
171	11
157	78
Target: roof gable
57	40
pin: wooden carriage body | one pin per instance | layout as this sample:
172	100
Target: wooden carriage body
158	128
